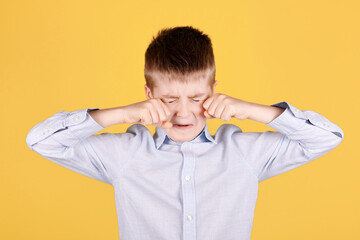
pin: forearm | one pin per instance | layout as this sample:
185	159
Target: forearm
262	113
300	137
51	136
108	117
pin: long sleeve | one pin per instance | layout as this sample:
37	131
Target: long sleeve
67	139
301	137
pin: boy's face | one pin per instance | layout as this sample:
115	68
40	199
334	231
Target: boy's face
184	100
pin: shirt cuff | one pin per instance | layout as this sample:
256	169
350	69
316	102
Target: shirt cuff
293	119
79	122
82	124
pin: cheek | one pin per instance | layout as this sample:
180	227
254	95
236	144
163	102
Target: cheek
199	111
171	108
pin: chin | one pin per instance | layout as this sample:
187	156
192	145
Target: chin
176	139
175	133
180	138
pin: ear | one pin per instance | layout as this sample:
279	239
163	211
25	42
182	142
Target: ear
214	87
148	93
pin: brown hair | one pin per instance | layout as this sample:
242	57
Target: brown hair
179	51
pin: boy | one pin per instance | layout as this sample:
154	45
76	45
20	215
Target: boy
182	182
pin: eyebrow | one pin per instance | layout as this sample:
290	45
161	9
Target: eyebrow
193	96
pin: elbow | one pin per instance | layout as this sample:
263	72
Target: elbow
334	142
32	137
29	141
320	148
338	138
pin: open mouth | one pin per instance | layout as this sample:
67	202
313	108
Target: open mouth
182	126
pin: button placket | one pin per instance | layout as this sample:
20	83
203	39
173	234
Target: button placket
188	188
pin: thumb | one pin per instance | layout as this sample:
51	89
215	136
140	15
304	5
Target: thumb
166	124
207	115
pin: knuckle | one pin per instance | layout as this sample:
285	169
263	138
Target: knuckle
151	106
148	104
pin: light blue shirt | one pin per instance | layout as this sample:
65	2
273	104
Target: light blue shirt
204	189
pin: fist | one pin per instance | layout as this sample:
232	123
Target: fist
150	112
225	107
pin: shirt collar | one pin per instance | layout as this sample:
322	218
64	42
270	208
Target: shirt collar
160	137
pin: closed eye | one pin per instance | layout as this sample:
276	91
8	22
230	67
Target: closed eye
195	100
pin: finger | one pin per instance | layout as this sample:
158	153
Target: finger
159	111
219	110
207	115
163	105
146	119
163	116
162	112
166	124
212	107
154	115
226	115
207	102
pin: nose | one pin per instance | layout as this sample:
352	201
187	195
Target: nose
182	110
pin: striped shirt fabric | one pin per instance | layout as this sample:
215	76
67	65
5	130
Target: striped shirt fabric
203	189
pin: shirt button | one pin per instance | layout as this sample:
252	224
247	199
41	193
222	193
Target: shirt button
189	218
76	118
187	178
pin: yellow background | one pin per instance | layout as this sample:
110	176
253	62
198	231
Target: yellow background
70	55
